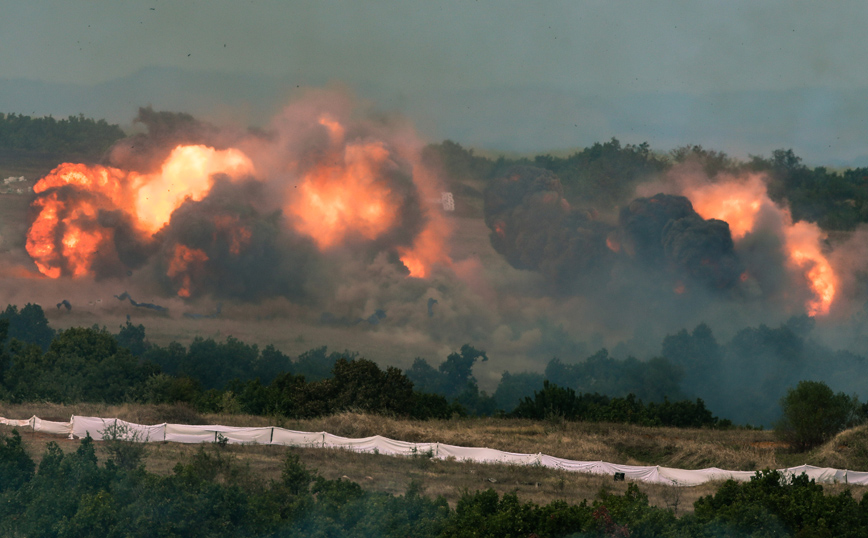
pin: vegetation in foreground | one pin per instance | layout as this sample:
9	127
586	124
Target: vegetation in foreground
210	494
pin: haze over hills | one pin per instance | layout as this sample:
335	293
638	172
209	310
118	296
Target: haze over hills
822	125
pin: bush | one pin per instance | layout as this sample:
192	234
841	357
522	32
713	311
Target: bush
812	414
124	446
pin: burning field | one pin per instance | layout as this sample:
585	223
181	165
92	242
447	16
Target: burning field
326	227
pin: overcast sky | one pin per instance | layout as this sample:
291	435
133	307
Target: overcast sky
506	75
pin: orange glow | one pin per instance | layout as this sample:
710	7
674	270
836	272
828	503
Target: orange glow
185	174
239	236
79	245
346	196
736	202
65	236
106	181
427	250
739	201
680	288
179	266
40	237
803	241
613	244
71	220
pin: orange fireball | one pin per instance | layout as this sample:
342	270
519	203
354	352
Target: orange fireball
186	174
65	236
738	201
346	195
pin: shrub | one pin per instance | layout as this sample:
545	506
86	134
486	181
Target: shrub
812	414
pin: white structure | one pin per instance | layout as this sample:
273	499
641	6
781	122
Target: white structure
183	433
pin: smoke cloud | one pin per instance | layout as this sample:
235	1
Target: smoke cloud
325	226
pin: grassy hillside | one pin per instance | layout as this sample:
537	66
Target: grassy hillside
684	448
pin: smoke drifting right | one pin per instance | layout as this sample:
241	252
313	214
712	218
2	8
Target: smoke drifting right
326	227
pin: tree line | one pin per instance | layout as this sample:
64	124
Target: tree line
73	135
94	365
606	173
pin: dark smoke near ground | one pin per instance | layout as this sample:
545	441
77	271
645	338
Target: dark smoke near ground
248	255
533	227
665	231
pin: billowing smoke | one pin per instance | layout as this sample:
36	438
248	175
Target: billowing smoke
326	227
236	214
665	231
533	226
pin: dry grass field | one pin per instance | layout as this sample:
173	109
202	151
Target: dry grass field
734	449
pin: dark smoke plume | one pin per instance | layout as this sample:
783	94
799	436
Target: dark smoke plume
665	231
534	227
245	254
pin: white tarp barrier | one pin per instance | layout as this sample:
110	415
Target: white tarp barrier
82	426
391	447
363	444
593	467
47	426
686	477
282	436
245	436
857	477
826	475
18	423
138	432
485	455
183	433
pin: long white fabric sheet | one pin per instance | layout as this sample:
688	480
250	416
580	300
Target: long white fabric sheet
184	433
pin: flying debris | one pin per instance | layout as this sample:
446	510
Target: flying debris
151	306
64	303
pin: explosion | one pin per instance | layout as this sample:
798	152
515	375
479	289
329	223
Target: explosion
358	190
186	174
67	234
739	201
346	195
354	188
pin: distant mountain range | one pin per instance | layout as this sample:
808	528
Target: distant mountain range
824	126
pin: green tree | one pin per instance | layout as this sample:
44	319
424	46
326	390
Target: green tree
132	337
29	325
16	467
812	414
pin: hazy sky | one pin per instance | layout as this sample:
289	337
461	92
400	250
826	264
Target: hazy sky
499	73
